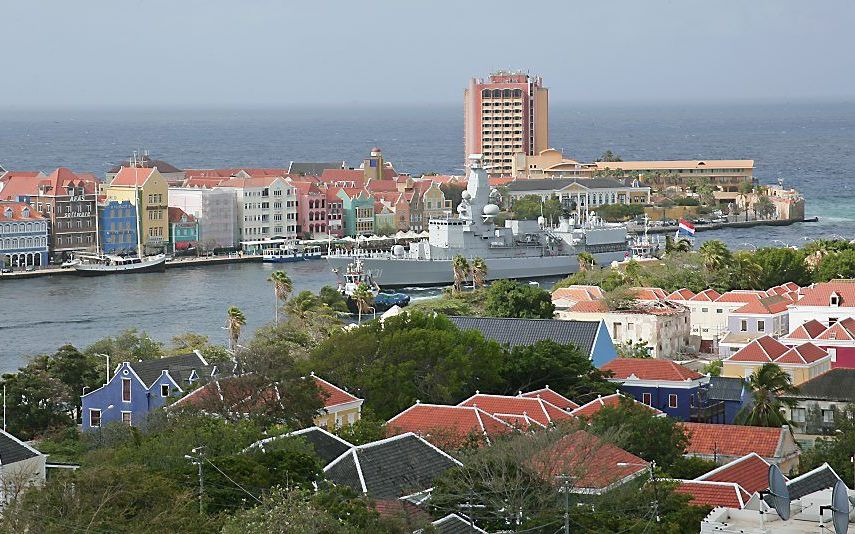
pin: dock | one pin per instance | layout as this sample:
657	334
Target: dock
639	229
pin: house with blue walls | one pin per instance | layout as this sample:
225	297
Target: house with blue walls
662	384
723	399
590	337
137	388
117	226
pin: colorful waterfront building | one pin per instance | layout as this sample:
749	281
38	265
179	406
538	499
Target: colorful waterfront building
266	205
358	211
117	227
214	208
311	209
23	235
148	190
183	230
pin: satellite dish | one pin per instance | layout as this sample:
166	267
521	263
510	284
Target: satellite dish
780	493
840	507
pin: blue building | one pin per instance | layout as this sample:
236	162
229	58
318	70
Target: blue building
723	399
117	226
137	388
663	384
23	236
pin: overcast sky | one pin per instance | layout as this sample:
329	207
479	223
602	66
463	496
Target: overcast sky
237	53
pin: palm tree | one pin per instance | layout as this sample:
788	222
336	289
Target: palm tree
479	272
715	254
675	247
767	385
460	267
235	320
282	287
364	299
586	261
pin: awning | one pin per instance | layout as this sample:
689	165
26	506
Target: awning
183	245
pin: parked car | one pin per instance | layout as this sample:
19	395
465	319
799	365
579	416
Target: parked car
30	268
6	270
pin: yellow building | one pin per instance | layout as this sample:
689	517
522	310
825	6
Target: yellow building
148	190
340	407
802	363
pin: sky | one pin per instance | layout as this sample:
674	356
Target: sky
278	53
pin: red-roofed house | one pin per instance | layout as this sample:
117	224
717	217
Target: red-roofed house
609	401
838	340
66	198
552	397
23	235
449	427
662	384
801	362
710	493
537	408
754	319
183	230
827	303
751	472
566	297
725	443
681	295
148	190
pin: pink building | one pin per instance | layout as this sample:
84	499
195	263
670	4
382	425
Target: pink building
311	209
838	340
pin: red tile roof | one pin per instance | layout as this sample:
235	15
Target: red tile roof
805	353
255	181
593	463
540	410
552	397
519	422
448	426
820	294
334	394
741	295
808	330
589	306
750	471
766	305
681	294
841	330
733	440
203	182
707	295
175	215
17	213
649	293
649	369
709	493
764	349
579	293
132	176
609	401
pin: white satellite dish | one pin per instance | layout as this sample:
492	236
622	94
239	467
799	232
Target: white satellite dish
840	508
779	492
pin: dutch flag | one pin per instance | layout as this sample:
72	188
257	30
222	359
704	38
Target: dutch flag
686	228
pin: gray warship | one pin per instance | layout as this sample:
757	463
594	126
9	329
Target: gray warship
519	250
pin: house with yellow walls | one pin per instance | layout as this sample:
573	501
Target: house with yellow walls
148	190
802	362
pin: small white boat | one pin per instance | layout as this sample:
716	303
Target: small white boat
289	253
95	265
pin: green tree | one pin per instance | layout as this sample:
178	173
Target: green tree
479	272
36	401
586	261
768	384
76	371
508	298
235	321
678	246
836	449
530	207
561	367
835	265
764	207
781	265
609	156
713	368
743	272
282	287
364	430
129	346
638	430
364	298
460	268
631	349
745	190
619	212
333	298
715	254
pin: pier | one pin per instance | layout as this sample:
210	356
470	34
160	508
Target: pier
639	229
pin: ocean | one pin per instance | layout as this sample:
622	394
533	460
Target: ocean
811	146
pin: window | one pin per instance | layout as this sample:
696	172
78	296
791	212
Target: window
645	398
743	325
126	390
719	310
828	416
705	310
94	417
672	400
798	415
761	326
164	390
126	418
833	353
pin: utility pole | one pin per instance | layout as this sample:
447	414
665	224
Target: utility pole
469	506
197	460
565	487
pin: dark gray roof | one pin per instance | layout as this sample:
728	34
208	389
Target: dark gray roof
147	163
549	184
524	332
179	367
13	450
836	384
390	468
454	524
312	168
725	388
327	446
820	478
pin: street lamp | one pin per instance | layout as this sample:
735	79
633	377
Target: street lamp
652	467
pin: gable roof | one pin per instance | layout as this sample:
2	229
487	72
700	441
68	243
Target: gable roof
836	384
707	295
843	329
175	215
820	294
13	450
733	440
525	332
448	426
455	524
816	479
17	210
681	294
609	401
648	293
806	353
766	306
741	295
749	471
334	395
579	293
552	397
312	168
808	330
327	446
649	369
711	493
763	349
724	388
536	408
390	468
150	370
132	176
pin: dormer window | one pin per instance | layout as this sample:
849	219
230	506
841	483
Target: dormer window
834	300
7	213
25	212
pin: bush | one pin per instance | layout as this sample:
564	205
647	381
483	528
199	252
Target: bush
508	298
619	212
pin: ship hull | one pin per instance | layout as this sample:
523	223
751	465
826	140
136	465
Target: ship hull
156	266
397	273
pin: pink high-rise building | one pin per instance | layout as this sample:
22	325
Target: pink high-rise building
505	115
